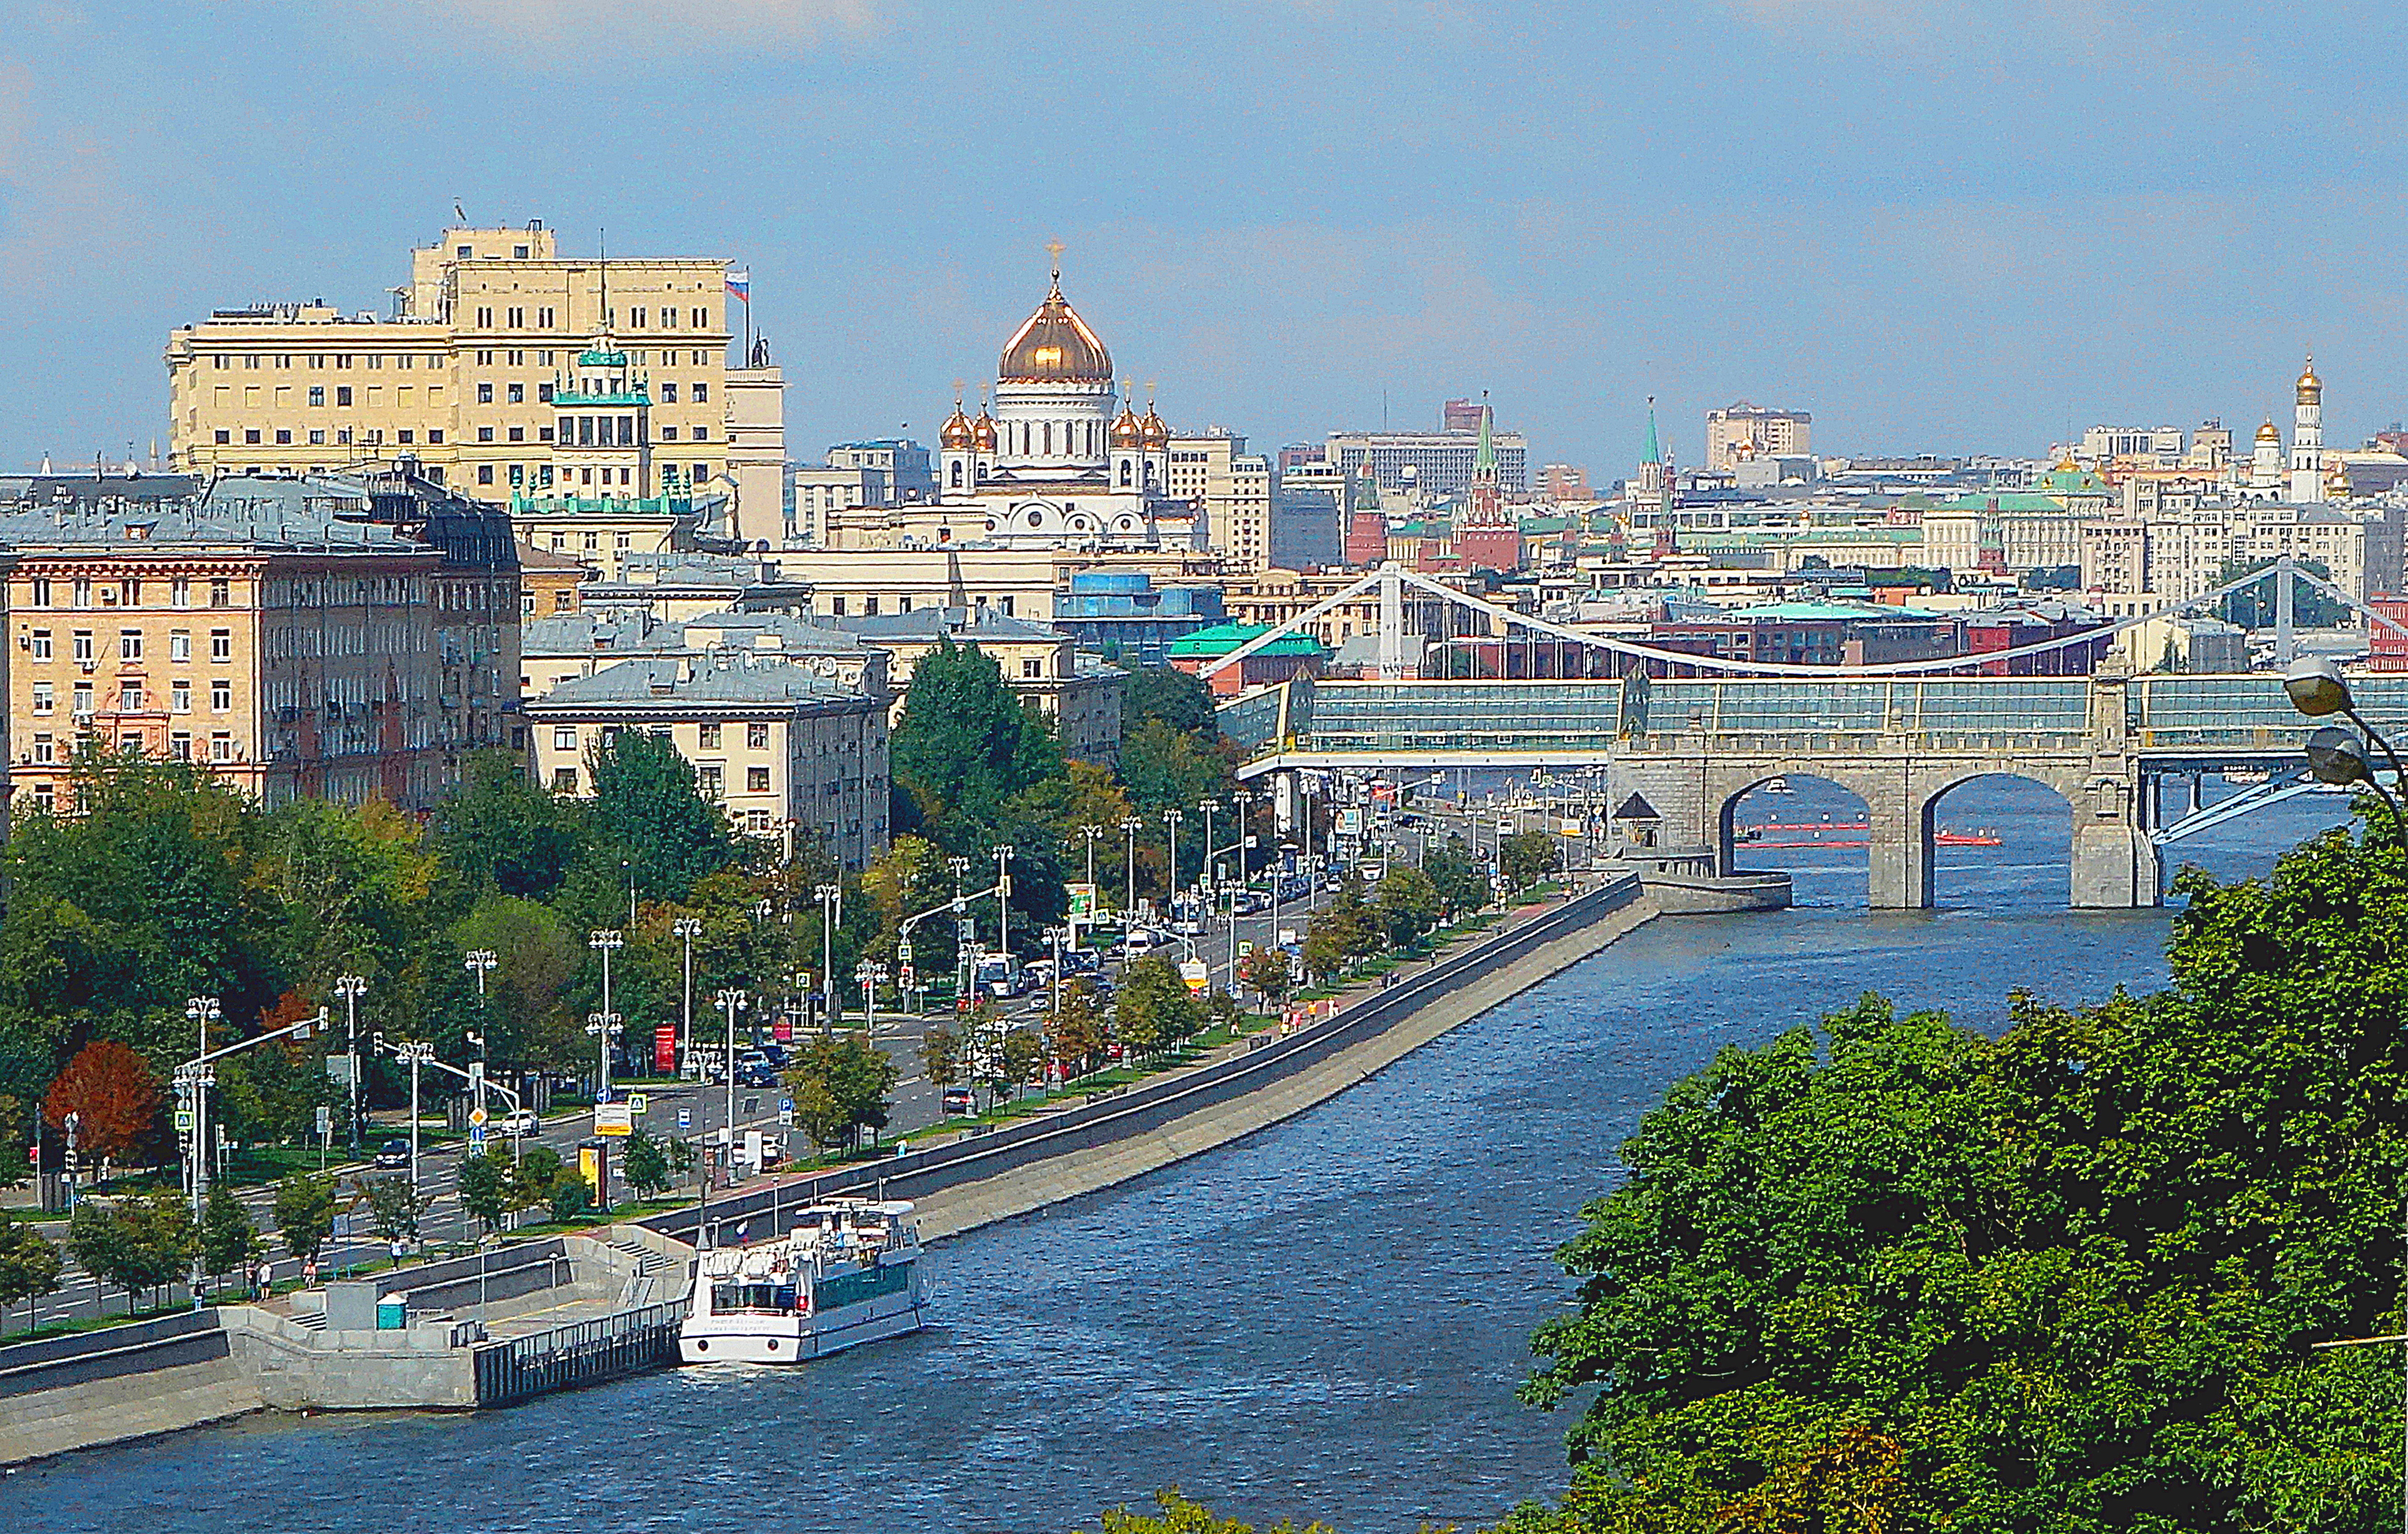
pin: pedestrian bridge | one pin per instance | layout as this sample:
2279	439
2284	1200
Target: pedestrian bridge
1691	747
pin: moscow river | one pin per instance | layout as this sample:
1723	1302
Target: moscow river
1327	1319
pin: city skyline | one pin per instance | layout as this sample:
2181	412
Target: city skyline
1278	216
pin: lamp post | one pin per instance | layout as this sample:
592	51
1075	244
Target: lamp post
350	988
1089	833
687	928
604	1024
1131	826
870	974
627	867
482	962
1053	935
831	899
415	1054
732	1001
202	1011
1003	856
2316	687
1171	879
961	867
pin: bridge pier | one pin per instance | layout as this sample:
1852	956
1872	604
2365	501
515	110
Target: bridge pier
1898	857
2115	862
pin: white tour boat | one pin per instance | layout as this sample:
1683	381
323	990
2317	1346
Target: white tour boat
849	1272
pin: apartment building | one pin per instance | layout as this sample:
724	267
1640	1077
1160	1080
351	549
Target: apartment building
580	644
783	752
1742	430
505	368
1079	694
1233	487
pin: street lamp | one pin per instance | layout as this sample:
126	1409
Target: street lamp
606	942
2316	687
687	928
202	1011
482	962
350	988
1003	856
1171	879
870	974
831	899
1131	826
731	1001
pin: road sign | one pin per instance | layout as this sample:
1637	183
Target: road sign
636	1103
475	1074
602	1097
325	1120
1245	948
477	1139
613	1118
685	1118
477	1117
1196	974
785	1105
785	1118
183	1121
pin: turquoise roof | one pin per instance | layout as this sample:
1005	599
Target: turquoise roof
1222	637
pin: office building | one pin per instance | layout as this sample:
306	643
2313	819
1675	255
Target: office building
1438	464
1742	430
1233	487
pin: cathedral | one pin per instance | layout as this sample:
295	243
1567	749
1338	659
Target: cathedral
1049	465
2311	477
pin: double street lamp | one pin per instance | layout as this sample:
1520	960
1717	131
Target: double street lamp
350	988
686	929
605	1024
2316	687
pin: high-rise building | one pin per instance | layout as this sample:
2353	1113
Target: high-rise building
1742	430
1438	462
505	368
1308	510
1214	470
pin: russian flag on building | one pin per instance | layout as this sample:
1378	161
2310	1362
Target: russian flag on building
740	285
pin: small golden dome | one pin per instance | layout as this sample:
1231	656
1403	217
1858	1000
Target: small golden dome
957	431
1127	430
2268	433
2311	388
983	432
1055	346
1155	434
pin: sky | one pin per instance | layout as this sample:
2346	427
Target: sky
1938	225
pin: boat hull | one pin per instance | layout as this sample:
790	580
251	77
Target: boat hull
781	1339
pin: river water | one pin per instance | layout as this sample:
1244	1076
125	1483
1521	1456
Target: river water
1327	1319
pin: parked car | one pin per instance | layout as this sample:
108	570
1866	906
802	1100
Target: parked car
523	1122
393	1153
755	1073
957	1100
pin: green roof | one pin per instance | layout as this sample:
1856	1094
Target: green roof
1803	611
1222	637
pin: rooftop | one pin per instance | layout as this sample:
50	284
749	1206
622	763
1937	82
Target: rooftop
1223	638
671	684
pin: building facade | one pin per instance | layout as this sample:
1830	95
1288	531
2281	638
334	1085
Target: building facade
1742	430
1080	695
1233	487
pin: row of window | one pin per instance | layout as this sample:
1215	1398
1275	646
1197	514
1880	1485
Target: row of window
133	696
180	746
640	317
129	644
254	436
126	592
341	362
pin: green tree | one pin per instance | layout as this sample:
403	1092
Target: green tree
858	1076
570	1196
1525	857
658	820
391	1204
29	1264
966	742
228	1239
1081	1032
1020	1056
1326	947
2254	608
304	1211
1899	1275
501	830
1156	1009
1182	1514
1408	904
646	1164
538	1170
1461	884
1267	972
1167	769
1171	696
485	1187
940	1056
823	1118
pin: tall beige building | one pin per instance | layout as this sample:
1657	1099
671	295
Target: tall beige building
505	369
1742	430
1233	489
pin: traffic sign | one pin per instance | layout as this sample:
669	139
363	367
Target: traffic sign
785	1118
636	1103
785	1105
602	1097
183	1121
685	1118
476	1139
613	1118
477	1117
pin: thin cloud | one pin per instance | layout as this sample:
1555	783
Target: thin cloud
580	26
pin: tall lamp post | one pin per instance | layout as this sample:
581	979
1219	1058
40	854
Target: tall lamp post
1003	856
1131	826
482	962
687	928
731	1001
202	1011
1171	818
350	988
604	1024
831	899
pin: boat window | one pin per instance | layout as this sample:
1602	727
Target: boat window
726	1298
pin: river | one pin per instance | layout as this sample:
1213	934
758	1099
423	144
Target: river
1327	1319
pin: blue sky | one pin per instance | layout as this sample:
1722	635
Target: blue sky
1938	225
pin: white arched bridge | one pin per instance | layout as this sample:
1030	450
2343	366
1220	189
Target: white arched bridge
1693	747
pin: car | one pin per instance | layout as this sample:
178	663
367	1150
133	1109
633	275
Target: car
523	1122
1141	942
1081	961
957	1100
393	1153
755	1073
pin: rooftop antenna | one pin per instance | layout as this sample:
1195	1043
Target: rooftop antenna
459	212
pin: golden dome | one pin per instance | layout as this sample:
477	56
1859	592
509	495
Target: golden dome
957	433
1055	346
2268	433
2311	388
982	431
1154	431
1127	430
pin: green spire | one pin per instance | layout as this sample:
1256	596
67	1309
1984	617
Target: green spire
1483	463
1652	452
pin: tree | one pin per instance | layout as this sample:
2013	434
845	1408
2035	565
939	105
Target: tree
966	743
823	1120
644	793
134	1244
646	1164
1020	1056
1525	857
1461	884
1156	1009
1267	970
1896	1274
1408	904
538	1170
228	1239
1182	1514
2255	607
858	1077
485	1187
393	1206
110	1090
29	1264
1326	947
1081	1033
304	1211
1167	769
1167	695
570	1196
940	1056
500	829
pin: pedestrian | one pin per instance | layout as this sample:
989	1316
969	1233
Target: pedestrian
309	1272
267	1277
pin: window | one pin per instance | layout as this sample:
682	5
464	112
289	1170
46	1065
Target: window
518	393
405	436
869	606
83	646
41	644
179	745
516	318
180	697
41	591
221	593
756	780
129	697
485	471
484	317
1032	667
343	393
636	317
669	394
702	434
564	780
221	746
713	780
756	737
710	737
84	700
563	737
179	645
485	434
220	695
434	439
702	320
669	433
129	644
543	318
179	593
222	644
250	438
317	393
44	699
130	744
225	438
757	821
45	750
484	394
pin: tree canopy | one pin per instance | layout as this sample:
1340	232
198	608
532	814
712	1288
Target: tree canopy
1893	1274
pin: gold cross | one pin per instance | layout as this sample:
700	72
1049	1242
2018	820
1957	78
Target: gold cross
1053	248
